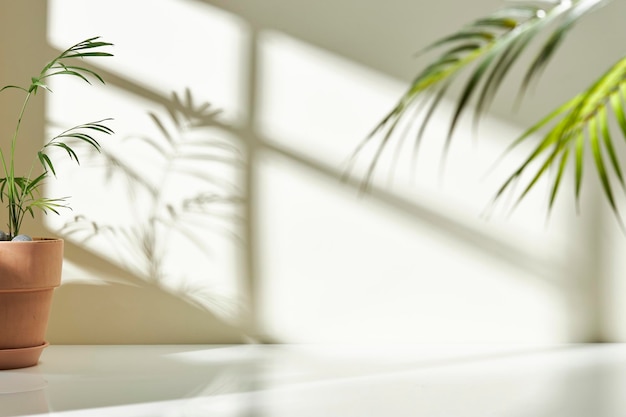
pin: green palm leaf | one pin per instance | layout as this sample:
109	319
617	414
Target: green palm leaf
80	133
581	121
485	51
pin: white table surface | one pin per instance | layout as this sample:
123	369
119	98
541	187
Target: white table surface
320	381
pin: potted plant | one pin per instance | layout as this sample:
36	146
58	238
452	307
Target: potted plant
30	268
486	50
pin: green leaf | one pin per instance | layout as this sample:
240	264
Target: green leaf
45	162
618	110
68	72
559	176
583	117
573	11
608	143
6	87
36	84
580	151
68	149
87	54
594	141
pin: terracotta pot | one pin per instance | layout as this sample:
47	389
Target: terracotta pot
29	273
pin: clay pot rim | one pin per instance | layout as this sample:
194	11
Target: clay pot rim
36	240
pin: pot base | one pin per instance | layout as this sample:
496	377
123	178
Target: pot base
21	357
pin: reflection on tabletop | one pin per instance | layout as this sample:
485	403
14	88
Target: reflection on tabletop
315	380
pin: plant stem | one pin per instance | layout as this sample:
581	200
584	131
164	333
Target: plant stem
15	202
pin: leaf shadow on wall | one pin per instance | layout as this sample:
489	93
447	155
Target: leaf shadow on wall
183	200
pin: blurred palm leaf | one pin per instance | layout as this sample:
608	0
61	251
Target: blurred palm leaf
485	51
582	121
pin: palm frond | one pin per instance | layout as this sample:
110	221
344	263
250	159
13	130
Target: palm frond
27	186
88	48
580	123
81	133
47	205
20	192
485	50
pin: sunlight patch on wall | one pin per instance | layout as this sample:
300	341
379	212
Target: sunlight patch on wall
323	106
163	201
316	103
338	267
154	51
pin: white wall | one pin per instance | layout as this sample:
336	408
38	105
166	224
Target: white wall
294	254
